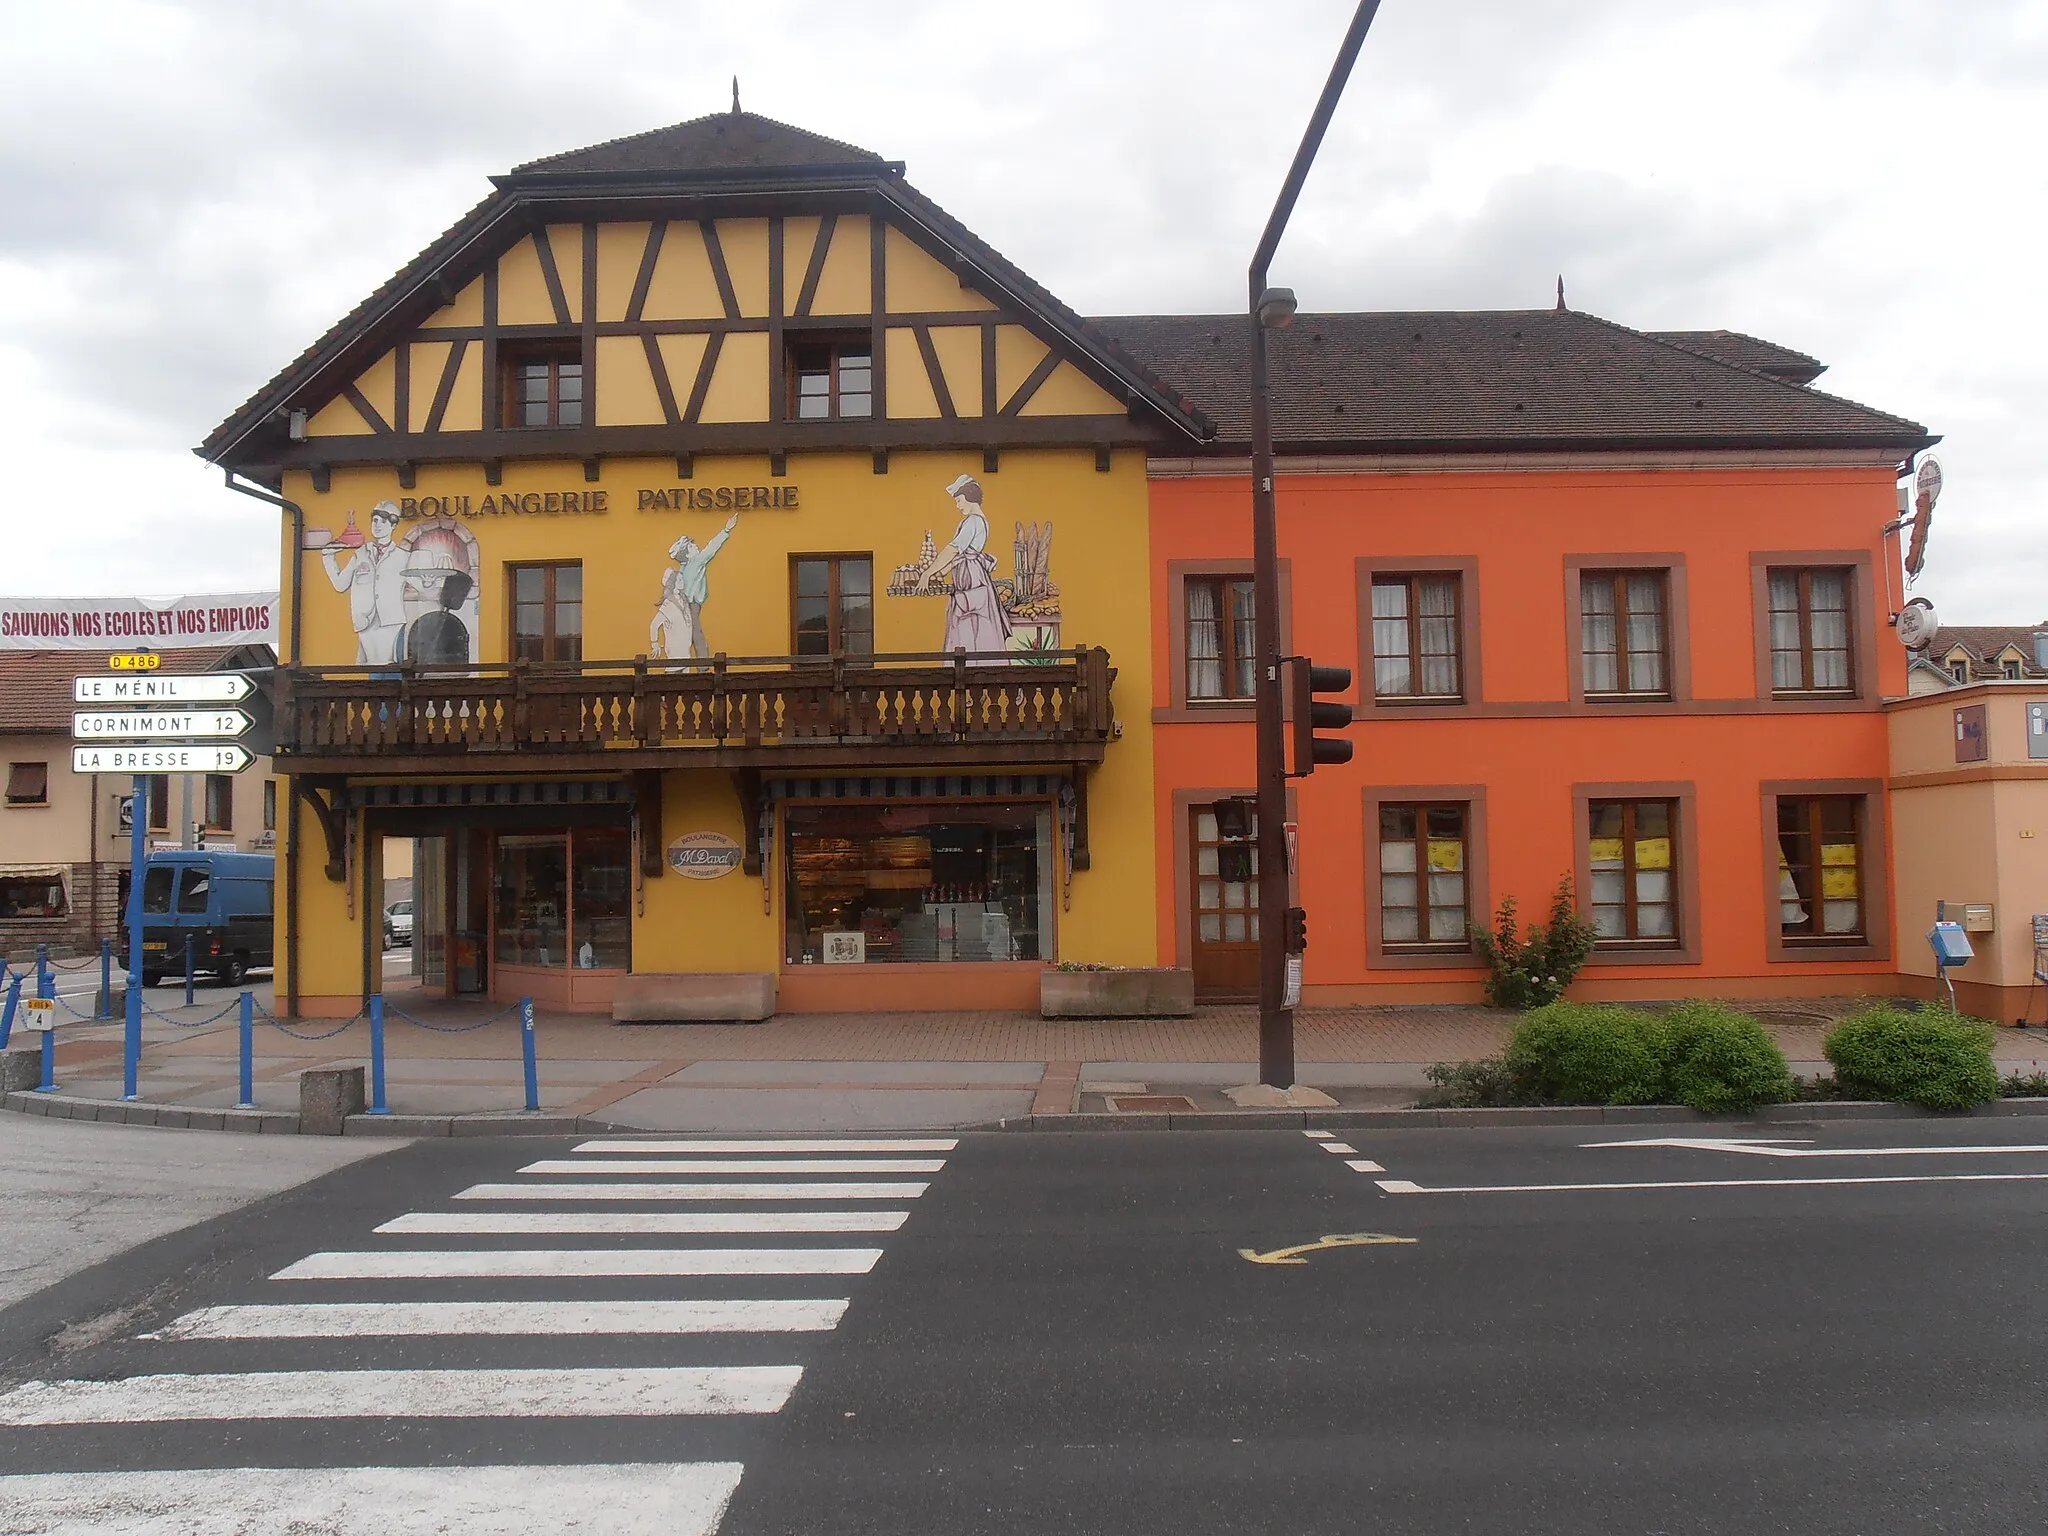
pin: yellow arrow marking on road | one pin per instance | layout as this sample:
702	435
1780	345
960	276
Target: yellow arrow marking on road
1333	1240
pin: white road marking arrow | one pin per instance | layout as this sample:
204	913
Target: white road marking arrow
1758	1148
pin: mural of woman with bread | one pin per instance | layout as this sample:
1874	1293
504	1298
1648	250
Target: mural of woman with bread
975	619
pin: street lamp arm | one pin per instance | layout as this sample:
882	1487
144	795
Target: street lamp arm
1311	141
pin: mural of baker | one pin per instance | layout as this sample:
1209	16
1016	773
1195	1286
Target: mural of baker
677	631
441	568
374	580
975	620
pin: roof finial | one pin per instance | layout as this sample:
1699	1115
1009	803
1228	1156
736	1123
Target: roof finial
1560	290
735	95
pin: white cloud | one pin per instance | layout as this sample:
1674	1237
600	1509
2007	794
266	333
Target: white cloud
197	190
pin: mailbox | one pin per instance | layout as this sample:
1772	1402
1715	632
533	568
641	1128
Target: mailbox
1950	944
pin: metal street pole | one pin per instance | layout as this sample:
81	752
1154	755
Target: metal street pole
1276	1019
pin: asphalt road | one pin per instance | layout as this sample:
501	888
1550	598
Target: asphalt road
1061	1334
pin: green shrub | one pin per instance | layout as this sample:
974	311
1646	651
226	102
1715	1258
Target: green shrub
1933	1058
1528	968
1719	1060
1489	1083
1590	1053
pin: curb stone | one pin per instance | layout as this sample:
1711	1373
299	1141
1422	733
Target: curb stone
1469	1119
275	1123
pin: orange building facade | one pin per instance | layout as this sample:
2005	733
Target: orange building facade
1656	669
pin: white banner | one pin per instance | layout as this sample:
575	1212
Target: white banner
138	623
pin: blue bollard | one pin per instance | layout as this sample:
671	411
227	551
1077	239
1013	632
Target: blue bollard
377	1104
49	1082
105	1007
13	1005
46	979
526	1050
248	1099
189	941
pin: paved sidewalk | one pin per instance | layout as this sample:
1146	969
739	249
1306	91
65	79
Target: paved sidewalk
825	1071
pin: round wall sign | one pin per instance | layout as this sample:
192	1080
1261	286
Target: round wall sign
703	855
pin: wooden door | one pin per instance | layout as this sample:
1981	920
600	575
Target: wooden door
1223	901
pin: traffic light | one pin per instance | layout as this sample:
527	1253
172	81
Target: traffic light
1304	681
1297	930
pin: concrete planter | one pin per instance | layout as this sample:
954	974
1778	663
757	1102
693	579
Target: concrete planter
702	997
1160	992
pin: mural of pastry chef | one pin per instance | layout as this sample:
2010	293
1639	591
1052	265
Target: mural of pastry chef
440	593
975	619
677	631
374	580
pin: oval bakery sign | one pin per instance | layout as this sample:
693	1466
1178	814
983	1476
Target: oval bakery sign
704	855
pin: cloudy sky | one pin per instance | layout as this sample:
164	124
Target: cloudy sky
189	193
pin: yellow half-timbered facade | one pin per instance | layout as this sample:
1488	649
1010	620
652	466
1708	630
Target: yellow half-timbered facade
731	573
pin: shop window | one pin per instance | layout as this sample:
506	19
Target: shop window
563	899
871	884
832	605
1624	635
31	896
543	385
831	379
1425	895
1221	644
1632	855
1415	637
547	612
220	802
270	805
28	783
1820	869
1810	630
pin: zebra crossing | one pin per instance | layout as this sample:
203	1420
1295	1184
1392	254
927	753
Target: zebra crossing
509	1347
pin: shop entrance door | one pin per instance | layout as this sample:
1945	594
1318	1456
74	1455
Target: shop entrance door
1223	901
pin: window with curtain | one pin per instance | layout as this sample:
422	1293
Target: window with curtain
1220	638
1809	626
1415	637
1820	868
1624	646
832	605
1424	894
1632	853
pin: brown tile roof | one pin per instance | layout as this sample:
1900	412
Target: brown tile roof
35	686
1496	380
724	141
1747	352
695	156
1983	643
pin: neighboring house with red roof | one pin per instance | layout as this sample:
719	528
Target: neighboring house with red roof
1983	653
64	836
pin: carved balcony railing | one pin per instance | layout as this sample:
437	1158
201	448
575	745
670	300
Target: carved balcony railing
734	711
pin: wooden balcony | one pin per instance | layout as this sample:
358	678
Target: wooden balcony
840	713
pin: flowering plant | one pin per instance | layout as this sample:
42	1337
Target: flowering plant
1529	967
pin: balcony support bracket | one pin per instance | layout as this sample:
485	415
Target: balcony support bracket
329	814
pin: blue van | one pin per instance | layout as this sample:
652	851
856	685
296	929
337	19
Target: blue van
223	900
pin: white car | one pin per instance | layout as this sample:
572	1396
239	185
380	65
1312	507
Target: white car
397	924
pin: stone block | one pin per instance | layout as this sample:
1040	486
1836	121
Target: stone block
1151	992
694	997
21	1067
327	1097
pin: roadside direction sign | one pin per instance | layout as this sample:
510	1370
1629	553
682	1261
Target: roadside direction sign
41	1013
156	688
157	724
171	757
